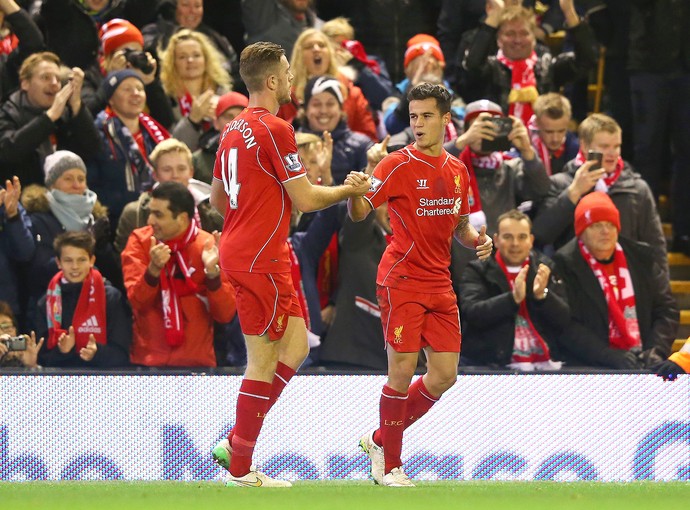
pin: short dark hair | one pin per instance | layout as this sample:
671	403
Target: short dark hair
430	90
516	215
81	239
258	61
180	200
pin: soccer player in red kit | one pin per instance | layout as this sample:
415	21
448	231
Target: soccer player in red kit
258	175
426	191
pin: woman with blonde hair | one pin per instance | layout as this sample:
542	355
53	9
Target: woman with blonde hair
193	75
312	56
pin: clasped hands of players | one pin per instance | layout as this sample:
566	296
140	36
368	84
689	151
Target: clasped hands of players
541	279
359	181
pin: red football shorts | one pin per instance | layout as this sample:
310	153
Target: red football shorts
265	301
414	320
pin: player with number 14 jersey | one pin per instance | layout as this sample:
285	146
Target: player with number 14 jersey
257	153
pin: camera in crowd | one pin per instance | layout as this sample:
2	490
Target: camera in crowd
502	127
138	59
14	343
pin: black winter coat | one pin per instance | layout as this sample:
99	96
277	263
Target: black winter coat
25	133
585	341
488	311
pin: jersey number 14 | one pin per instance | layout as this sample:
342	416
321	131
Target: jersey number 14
228	163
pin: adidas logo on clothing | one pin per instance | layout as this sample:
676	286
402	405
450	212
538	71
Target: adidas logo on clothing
90	326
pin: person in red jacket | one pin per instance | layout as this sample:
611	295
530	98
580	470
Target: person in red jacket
174	284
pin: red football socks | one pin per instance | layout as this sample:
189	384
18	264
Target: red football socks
252	406
392	409
282	376
419	402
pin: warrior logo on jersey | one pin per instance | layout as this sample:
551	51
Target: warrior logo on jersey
375	183
292	162
457	184
398	335
421	184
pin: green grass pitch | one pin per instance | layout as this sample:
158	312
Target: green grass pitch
345	495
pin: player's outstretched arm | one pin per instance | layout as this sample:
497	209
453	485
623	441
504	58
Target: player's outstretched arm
307	197
468	236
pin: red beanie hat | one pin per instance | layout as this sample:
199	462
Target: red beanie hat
594	207
420	44
229	100
117	32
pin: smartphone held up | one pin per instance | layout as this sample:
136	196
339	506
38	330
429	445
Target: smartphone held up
595	156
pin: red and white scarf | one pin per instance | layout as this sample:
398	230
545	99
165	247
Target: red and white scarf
529	346
173	287
608	180
542	150
185	103
138	171
155	130
89	316
624	330
523	85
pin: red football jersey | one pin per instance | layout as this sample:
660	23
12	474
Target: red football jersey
426	196
256	155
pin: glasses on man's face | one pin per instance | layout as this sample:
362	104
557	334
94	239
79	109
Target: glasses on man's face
6	326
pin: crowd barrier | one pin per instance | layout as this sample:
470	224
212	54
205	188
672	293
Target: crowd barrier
562	427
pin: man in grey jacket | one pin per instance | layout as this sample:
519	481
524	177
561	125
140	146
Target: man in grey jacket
630	193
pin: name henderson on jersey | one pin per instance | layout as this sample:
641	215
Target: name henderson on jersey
242	126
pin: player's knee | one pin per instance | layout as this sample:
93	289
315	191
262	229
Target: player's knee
439	383
400	380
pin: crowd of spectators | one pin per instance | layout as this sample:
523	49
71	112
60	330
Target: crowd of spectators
110	117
